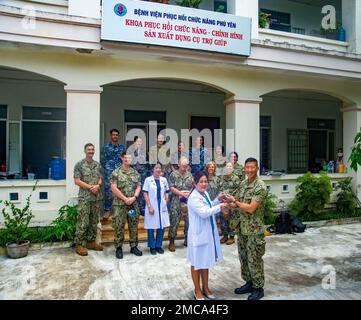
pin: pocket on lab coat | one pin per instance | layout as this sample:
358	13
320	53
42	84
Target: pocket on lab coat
201	238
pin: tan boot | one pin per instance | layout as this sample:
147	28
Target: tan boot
106	217
230	240
171	246
92	245
81	251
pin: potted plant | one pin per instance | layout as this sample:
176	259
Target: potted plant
220	6
189	3
264	20
16	222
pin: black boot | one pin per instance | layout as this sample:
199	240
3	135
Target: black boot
246	288
136	251
257	294
119	253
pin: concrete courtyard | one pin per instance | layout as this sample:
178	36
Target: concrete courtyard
322	263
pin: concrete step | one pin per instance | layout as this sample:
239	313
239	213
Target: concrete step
107	232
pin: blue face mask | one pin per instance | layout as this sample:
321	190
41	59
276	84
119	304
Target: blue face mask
132	213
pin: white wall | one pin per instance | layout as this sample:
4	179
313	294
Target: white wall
302	16
287	113
29	6
44	211
18	93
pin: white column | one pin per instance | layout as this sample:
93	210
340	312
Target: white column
242	115
245	8
351	125
351	22
84	8
82	126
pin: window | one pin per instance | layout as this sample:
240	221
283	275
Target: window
135	119
220	6
279	20
321	134
43	196
14	196
211	123
297	146
3	142
265	143
43	137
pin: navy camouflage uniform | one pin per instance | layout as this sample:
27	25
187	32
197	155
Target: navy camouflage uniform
230	185
182	182
139	164
110	160
89	203
250	232
199	157
238	170
126	181
214	190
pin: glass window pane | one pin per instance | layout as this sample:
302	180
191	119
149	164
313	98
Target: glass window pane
41	141
297	151
14	148
2	142
3	112
39	113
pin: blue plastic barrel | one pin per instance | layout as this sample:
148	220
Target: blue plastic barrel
57	168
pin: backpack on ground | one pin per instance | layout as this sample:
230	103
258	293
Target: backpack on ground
297	225
283	223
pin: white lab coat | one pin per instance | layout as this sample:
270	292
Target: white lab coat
204	248
156	220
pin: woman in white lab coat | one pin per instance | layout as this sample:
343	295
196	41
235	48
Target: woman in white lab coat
204	248
156	217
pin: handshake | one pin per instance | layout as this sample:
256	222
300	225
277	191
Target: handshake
228	202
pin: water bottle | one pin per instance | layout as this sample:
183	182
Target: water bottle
330	167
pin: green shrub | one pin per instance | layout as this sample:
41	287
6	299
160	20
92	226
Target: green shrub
61	229
346	203
330	215
64	225
355	156
34	235
17	220
269	206
312	194
188	3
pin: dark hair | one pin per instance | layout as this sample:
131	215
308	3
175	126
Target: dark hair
248	160
88	145
114	130
233	152
124	153
155	164
197	176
